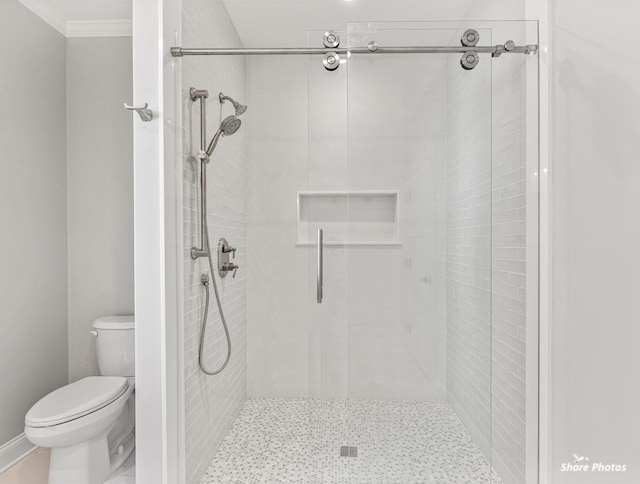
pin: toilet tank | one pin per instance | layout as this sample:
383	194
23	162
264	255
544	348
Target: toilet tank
115	345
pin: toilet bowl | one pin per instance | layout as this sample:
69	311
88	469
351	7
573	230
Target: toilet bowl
89	424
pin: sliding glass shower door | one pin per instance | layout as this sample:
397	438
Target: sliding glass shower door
400	188
417	235
419	312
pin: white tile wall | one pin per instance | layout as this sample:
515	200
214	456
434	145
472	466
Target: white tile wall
279	308
509	238
486	259
468	259
396	305
380	330
212	402
509	242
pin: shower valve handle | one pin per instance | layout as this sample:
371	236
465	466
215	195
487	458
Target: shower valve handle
230	266
228	249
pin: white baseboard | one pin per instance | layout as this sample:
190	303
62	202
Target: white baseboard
14	451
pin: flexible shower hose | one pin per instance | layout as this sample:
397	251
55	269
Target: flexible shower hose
203	328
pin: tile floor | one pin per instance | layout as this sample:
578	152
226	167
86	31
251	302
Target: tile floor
298	441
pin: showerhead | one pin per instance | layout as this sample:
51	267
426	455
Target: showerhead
240	108
229	126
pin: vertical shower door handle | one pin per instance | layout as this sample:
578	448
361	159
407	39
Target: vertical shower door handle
320	280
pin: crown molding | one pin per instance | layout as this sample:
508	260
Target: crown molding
99	28
78	28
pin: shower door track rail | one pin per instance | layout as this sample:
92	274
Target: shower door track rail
495	51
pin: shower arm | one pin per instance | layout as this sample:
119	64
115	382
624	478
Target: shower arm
202	94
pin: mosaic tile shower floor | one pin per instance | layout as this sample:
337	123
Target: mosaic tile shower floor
298	441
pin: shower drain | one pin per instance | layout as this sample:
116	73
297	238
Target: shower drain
348	451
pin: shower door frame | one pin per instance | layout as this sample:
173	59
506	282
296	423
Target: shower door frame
541	11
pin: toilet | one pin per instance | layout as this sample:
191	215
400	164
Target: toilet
89	424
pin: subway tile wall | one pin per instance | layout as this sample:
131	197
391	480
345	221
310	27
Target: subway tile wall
213	402
509	278
380	332
486	260
468	248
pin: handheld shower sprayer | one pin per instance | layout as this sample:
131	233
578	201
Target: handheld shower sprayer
229	126
240	108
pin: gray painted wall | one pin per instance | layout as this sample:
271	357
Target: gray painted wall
100	190
66	249
33	214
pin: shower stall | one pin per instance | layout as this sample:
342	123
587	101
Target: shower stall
381	201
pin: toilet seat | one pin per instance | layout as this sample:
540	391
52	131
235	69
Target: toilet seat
76	400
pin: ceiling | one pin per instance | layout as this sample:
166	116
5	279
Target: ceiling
264	23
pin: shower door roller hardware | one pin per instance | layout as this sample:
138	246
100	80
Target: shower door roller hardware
224	266
145	113
470	38
469	60
331	61
331	39
372	46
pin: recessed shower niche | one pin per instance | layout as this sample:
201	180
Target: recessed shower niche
367	218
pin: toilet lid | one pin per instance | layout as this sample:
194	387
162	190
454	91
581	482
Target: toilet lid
75	400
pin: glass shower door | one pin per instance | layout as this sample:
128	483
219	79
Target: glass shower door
423	346
325	207
419	265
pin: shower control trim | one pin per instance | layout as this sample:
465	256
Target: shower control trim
228	267
224	265
227	249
